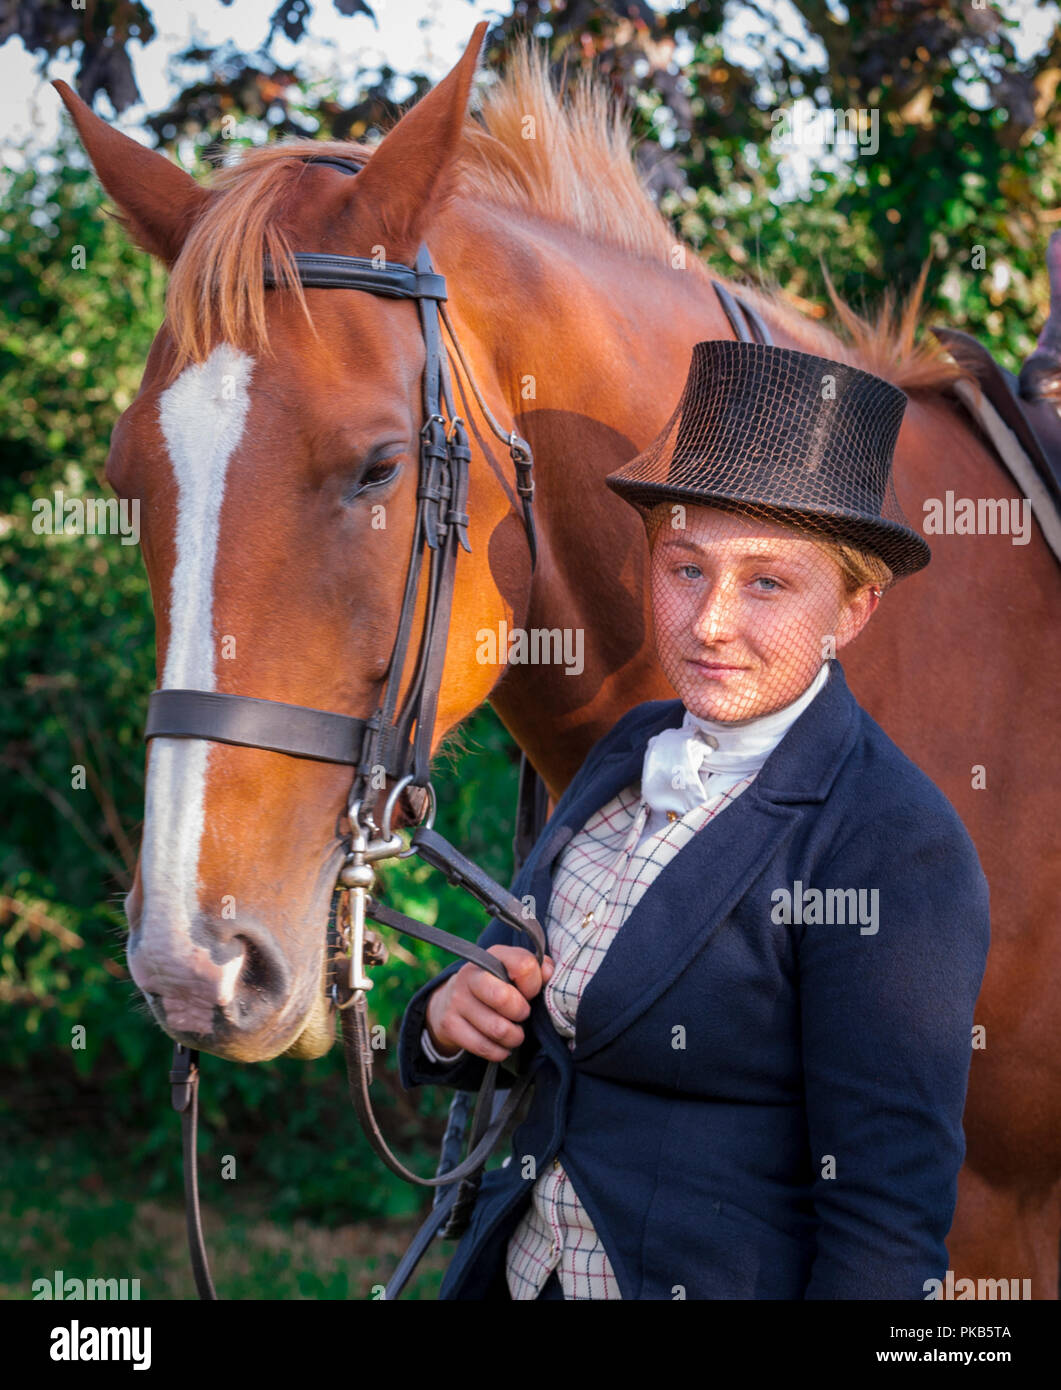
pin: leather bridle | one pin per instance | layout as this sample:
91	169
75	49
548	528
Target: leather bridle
441	522
398	744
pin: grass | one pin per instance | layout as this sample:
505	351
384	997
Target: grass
61	1208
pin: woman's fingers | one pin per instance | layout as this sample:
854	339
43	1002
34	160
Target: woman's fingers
491	1026
523	970
482	1013
464	1035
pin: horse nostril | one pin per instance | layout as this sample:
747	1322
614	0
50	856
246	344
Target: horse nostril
255	971
263	975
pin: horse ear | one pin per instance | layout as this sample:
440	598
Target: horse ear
406	177
157	201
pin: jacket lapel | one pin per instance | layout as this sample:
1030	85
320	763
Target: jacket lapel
695	892
678	914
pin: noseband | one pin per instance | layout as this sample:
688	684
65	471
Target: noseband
399	746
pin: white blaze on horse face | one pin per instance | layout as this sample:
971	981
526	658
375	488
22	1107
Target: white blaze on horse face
203	416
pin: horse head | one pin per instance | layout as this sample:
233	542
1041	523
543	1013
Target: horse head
274	447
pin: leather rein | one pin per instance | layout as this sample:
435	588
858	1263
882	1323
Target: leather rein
399	744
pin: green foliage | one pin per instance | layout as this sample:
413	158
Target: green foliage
950	182
76	658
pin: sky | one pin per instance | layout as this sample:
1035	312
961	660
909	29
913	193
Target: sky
424	35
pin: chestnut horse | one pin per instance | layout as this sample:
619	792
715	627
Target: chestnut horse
273	445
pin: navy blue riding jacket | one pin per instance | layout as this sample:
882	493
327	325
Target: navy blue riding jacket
755	1107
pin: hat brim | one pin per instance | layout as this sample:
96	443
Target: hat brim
901	549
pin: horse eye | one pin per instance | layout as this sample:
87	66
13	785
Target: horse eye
380	473
374	476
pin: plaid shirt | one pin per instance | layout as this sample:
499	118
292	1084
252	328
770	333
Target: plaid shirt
601	874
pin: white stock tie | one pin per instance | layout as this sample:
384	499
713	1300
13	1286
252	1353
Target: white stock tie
678	762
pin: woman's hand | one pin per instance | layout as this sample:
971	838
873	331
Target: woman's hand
476	1011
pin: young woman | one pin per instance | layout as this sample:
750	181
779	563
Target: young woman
767	928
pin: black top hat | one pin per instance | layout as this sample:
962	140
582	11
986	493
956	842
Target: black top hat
773	430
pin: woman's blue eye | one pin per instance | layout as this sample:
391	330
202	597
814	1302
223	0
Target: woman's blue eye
692	571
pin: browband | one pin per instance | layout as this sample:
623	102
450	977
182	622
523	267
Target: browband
320	270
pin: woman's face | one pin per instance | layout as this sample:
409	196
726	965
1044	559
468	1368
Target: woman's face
744	610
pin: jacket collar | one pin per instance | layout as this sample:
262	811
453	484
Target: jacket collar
801	768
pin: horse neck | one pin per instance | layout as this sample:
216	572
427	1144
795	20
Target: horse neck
585	348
